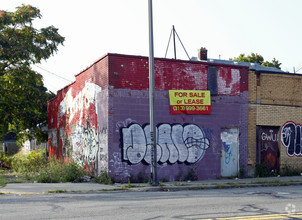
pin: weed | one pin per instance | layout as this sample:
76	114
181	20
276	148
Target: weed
18	180
180	184
57	170
219	186
5	161
191	175
103	178
179	175
57	191
241	172
289	171
28	164
52	172
72	172
129	185
164	180
142	177
262	171
2	181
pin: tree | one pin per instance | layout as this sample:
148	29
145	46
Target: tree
256	58
23	97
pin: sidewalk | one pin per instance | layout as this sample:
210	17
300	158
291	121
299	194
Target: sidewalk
39	188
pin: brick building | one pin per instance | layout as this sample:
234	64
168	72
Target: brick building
275	117
102	119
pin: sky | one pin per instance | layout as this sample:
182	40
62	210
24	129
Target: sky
93	28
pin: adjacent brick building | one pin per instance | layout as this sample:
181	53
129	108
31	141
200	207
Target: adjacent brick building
275	116
102	119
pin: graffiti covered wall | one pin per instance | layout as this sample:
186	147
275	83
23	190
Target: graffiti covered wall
78	123
185	143
101	120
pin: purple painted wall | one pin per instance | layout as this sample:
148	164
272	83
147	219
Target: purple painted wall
132	107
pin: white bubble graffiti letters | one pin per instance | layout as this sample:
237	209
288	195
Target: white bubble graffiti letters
174	143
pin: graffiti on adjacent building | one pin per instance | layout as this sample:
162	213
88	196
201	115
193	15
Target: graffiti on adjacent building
77	122
269	147
175	143
291	134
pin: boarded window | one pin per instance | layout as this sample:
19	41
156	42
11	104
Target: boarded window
212	80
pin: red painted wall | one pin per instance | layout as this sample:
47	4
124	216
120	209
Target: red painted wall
132	72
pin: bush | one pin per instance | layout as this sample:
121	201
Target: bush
28	164
72	172
54	170
142	177
261	170
5	161
290	171
51	172
57	171
191	175
103	178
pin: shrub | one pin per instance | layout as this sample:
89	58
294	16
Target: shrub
142	177
2	181
54	170
103	178
191	175
72	172
290	171
5	161
261	170
57	170
51	172
28	164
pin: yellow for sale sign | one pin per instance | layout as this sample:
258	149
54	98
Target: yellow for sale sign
190	101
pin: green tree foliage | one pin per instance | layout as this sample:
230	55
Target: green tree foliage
256	58
23	97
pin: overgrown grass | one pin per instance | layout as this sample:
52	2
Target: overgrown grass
35	167
57	170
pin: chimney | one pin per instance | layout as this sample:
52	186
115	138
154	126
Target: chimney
202	53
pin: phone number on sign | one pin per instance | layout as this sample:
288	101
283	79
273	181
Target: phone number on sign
190	108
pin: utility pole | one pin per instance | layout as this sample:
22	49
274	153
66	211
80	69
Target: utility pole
151	100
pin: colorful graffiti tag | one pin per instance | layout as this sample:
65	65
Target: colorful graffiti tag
291	134
175	143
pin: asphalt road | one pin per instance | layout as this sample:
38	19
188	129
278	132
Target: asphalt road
240	203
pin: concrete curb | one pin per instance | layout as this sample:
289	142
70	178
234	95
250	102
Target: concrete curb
45	188
207	187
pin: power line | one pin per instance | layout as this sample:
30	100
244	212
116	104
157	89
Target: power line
52	73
